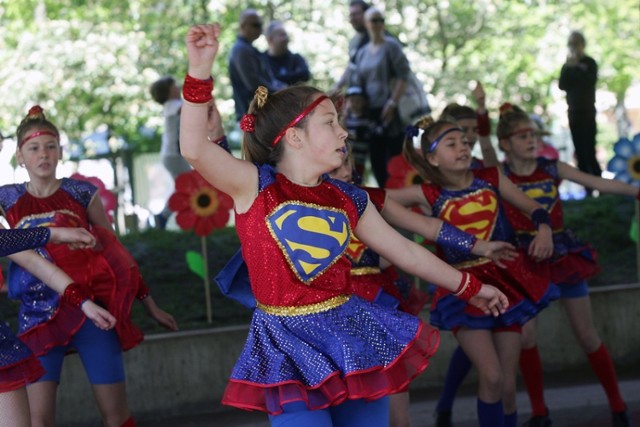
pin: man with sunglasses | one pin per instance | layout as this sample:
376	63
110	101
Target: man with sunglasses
247	68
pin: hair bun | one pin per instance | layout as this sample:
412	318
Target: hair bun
425	122
505	108
36	112
261	95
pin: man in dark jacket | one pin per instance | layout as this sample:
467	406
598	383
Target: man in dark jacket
578	79
247	68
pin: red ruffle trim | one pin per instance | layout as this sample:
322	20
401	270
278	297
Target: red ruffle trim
58	330
368	384
20	374
572	269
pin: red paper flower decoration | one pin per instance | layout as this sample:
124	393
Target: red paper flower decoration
199	205
401	173
109	200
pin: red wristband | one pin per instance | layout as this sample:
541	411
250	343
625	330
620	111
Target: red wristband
197	91
469	287
484	124
76	294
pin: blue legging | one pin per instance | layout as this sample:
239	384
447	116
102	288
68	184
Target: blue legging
351	413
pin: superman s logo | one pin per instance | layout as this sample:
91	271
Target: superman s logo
476	213
544	192
312	238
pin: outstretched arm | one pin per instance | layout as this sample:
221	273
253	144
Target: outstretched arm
374	232
603	185
435	230
60	282
237	178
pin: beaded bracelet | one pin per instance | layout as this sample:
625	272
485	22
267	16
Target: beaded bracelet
197	91
468	288
454	238
540	216
76	294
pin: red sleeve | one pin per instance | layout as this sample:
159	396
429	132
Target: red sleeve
491	175
377	197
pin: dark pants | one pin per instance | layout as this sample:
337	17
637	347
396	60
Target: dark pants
583	132
384	146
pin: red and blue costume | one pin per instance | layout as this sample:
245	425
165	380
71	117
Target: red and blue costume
18	365
45	321
477	210
573	261
311	340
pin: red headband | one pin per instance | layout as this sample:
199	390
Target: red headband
38	133
518	132
299	117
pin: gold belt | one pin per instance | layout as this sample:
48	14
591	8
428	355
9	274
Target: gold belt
300	310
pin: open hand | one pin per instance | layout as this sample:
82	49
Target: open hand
496	251
98	315
78	238
490	300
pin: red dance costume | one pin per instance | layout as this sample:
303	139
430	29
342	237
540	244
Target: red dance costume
311	340
573	261
108	270
477	210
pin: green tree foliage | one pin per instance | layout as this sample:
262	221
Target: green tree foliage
89	63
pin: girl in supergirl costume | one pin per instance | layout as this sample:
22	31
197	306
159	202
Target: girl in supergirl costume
47	327
572	264
18	365
383	286
471	200
315	354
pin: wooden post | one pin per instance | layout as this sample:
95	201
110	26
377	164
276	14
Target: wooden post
207	284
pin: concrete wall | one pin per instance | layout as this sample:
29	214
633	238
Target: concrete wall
186	372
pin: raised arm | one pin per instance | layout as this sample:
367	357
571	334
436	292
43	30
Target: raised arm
489	156
237	178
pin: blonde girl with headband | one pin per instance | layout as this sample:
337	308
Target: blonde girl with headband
572	264
47	325
18	366
315	354
471	201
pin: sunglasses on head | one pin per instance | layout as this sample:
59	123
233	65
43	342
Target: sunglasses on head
377	20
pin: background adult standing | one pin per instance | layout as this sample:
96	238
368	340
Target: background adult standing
247	68
288	67
382	70
166	92
578	79
357	8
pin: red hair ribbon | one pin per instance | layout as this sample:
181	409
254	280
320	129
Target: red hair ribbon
299	117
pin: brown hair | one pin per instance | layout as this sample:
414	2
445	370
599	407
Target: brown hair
35	118
458	112
432	129
161	89
271	116
510	116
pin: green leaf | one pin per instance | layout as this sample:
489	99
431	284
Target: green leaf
195	263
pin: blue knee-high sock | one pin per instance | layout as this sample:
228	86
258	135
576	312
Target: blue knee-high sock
511	420
459	367
360	413
490	414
